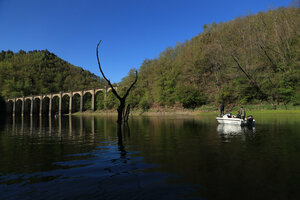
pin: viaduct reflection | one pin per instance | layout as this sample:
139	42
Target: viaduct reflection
52	126
71	129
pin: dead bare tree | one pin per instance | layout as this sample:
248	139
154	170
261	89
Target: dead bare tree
122	115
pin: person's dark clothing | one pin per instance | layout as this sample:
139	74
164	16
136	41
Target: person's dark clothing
222	109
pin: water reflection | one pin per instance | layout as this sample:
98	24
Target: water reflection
150	158
86	153
228	131
49	125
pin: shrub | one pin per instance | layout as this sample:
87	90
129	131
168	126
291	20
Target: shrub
190	97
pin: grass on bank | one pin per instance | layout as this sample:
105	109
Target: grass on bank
205	109
253	109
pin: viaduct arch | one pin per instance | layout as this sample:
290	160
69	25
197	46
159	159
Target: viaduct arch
60	95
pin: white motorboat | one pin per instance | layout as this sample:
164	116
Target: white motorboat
231	119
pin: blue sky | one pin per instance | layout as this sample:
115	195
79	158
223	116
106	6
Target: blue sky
131	30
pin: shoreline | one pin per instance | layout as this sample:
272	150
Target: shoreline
185	112
141	113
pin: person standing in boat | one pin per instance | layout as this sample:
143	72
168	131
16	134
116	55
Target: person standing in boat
242	112
222	109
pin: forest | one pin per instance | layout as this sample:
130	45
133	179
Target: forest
41	72
252	59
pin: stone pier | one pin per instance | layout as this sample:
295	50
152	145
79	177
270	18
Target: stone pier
60	96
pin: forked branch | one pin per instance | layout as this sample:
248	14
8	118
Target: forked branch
121	116
108	81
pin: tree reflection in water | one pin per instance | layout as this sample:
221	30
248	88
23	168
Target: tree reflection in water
122	129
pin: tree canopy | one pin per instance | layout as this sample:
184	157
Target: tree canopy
41	72
250	59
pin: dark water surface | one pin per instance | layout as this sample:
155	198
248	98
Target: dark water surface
154	158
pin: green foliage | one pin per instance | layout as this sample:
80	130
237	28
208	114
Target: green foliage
87	102
145	101
41	72
286	90
111	101
100	101
243	92
76	103
227	96
251	59
190	97
134	95
296	99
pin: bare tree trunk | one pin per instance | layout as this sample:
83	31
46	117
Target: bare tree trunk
121	108
121	111
126	114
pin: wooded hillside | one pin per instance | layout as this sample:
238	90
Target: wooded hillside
41	72
250	59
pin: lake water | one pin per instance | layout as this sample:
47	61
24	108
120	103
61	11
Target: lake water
172	157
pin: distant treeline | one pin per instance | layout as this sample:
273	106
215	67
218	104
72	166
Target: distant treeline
41	72
248	60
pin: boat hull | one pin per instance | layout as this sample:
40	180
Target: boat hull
236	121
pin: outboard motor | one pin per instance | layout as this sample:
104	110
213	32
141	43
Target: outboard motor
250	121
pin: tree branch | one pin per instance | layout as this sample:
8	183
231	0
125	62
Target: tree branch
273	65
252	80
108	81
136	77
241	68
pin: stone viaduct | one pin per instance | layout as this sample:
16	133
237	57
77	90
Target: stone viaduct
60	96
